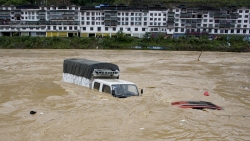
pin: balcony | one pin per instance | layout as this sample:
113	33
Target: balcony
186	16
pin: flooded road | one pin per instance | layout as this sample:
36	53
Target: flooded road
32	80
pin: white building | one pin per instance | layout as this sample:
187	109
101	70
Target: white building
101	21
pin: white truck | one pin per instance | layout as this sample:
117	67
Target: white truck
98	75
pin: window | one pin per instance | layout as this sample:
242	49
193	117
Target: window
244	31
60	28
238	31
239	21
128	29
48	27
65	28
240	11
114	28
247	11
106	89
215	30
96	85
151	14
106	28
84	28
210	20
145	23
182	29
98	28
143	29
176	30
136	29
246	16
70	28
91	28
121	28
205	20
232	30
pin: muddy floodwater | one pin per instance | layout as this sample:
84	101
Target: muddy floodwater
32	80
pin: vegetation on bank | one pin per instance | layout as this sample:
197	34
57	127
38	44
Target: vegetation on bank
232	43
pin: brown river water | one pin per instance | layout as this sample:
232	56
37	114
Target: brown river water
32	80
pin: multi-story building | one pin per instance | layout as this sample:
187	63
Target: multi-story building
105	20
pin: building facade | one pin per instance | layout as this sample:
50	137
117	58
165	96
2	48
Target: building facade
102	21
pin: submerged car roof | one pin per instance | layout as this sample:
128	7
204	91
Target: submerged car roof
113	81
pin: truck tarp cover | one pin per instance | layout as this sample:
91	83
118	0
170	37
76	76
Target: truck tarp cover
84	68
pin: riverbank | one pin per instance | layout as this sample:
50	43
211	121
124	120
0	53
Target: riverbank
223	44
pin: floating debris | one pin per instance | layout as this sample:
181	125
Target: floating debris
32	112
245	87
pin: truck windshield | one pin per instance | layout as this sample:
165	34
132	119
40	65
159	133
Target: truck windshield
125	89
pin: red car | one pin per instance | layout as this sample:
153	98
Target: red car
196	105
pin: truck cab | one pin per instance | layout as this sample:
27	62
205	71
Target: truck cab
102	76
116	87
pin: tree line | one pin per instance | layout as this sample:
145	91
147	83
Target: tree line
232	43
